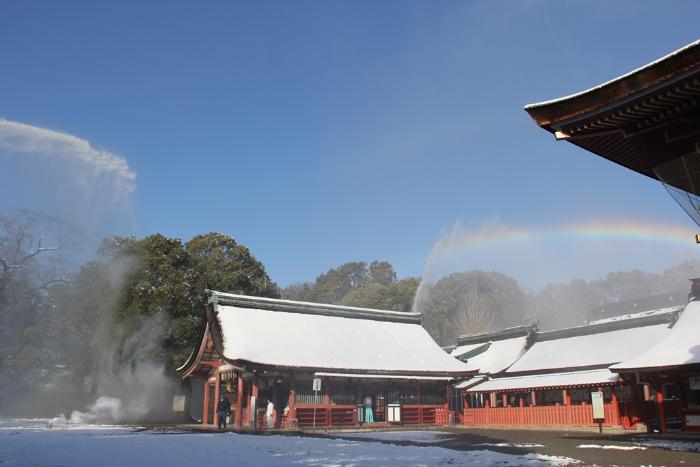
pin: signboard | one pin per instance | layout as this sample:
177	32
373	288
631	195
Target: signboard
251	409
178	403
694	382
317	384
394	413
597	405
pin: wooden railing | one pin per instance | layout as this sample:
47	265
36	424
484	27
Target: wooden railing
423	415
337	415
578	415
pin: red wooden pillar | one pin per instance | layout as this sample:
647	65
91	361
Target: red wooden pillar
205	411
239	400
216	398
533	398
292	401
420	406
660	405
255	395
505	399
327	401
615	407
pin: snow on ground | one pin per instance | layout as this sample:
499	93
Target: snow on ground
84	446
610	446
670	444
512	445
421	437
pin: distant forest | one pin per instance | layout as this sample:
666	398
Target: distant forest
55	315
474	301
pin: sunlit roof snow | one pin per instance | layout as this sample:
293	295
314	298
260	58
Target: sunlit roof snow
680	346
599	349
321	341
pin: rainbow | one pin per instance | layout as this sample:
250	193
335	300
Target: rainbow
499	235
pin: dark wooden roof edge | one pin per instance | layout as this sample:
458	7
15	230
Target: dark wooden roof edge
507	333
192	359
644	79
618	325
291	306
355	371
656	369
547	371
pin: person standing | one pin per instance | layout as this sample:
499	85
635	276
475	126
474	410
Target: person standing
269	413
369	415
223	410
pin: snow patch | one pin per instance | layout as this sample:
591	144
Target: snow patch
113	448
610	446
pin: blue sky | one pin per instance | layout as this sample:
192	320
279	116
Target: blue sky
323	132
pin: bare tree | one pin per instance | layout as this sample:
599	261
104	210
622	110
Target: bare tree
27	242
475	313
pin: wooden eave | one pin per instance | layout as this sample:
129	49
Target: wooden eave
642	121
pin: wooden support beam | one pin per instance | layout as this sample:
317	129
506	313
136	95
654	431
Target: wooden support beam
253	407
292	401
239	400
205	411
660	406
615	407
212	363
216	398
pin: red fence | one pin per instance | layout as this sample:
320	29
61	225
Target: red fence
344	415
536	415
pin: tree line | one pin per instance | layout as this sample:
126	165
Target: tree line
56	318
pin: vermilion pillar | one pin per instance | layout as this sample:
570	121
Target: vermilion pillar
291	402
205	410
239	400
660	405
615	407
216	397
255	395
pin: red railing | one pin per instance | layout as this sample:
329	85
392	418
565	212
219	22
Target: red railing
577	415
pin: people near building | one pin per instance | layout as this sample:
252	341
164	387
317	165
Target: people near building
369	415
223	409
269	414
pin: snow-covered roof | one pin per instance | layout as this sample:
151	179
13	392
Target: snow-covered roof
550	380
286	333
578	347
641	314
615	80
498	356
679	346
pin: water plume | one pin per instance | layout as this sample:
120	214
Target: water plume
67	176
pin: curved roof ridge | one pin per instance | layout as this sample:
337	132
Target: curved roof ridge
501	334
293	306
618	79
609	326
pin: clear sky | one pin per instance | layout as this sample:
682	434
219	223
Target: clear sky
323	132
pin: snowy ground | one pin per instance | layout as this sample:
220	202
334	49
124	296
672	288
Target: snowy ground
35	443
